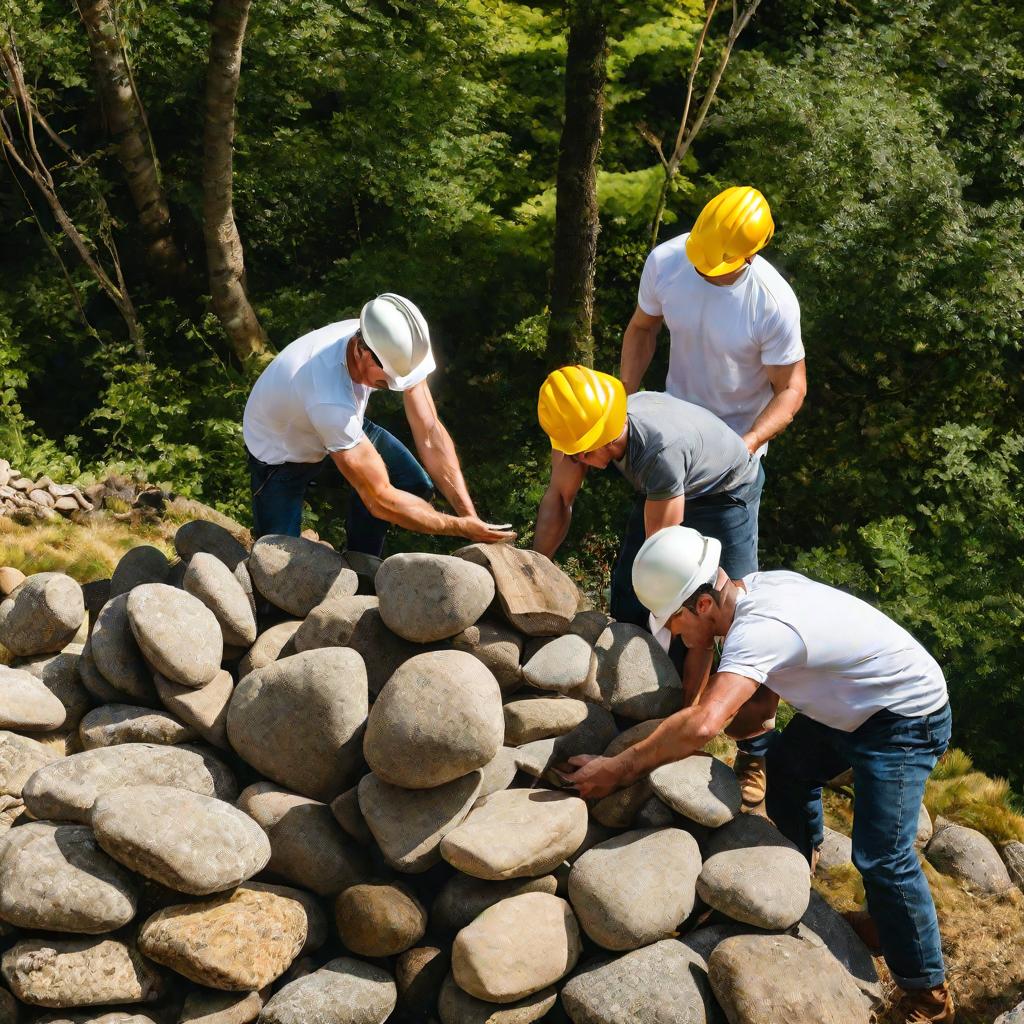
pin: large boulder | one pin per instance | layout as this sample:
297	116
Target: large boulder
408	743
212	582
332	623
498	646
379	918
663	983
20	757
593	734
67	789
299	721
764	979
457	1007
465	898
517	833
969	857
307	847
113	724
116	653
699	787
139	565
342	990
238	942
296	574
541	718
516	948
26	704
177	634
42	615
409	824
636	677
424	597
637	888
55	878
79	972
204	709
200	535
59	674
218	848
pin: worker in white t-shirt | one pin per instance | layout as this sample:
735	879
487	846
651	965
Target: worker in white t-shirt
307	412
868	696
734	325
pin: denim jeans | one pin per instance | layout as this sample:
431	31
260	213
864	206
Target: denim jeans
891	757
278	491
730	517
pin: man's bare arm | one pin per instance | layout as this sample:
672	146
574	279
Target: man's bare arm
789	384
659	514
554	514
638	344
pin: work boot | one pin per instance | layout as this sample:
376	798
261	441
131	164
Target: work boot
750	771
929	1006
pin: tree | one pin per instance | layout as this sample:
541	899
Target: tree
576	210
224	256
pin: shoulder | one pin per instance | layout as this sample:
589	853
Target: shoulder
778	293
670	254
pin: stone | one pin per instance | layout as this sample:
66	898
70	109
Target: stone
205	1006
590	624
348	815
457	1007
534	594
636	888
56	878
26	704
241	574
566	665
204	709
8	1008
1013	858
20	757
699	787
95	682
78	972
365	567
619	809
419	975
10	580
409	824
212	582
112	724
636	677
705	939
141	827
924	828
836	851
382	651
200	535
379	918
498	646
1014	1016
177	634
541	718
407	742
656	814
763	979
96	595
463	898
592	735
331	623
516	948
631	736
59	674
42	615
754	875
517	833
343	990
11	809
270	645
116	652
296	574
238	942
425	597
41	497
663	983
969	857
499	772
300	720
139	565
67	789
307	847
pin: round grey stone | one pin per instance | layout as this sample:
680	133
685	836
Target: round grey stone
592	735
112	724
636	677
201	535
331	623
499	772
116	652
59	674
349	816
342	990
139	565
205	709
463	898
95	682
296	574
20	757
457	1007
42	615
212	582
270	645
969	857
207	1006
498	646
699	787
383	652
541	718
566	665
836	851
26	704
377	919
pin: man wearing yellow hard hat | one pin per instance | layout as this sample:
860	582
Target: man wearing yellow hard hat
736	349
683	462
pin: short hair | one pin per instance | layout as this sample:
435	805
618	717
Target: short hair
705	588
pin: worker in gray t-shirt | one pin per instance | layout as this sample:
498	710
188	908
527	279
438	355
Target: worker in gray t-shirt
685	464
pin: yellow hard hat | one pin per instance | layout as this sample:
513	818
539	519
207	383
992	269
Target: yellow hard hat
581	409
733	226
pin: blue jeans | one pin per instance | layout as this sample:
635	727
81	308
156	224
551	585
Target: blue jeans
892	757
278	491
730	517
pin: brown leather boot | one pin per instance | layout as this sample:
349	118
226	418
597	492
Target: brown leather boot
929	1006
753	780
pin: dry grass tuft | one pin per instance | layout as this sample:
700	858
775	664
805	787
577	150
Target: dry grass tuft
971	798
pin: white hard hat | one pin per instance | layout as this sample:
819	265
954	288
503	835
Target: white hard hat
396	332
672	564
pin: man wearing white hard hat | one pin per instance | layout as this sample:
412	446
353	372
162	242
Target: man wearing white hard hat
307	410
869	697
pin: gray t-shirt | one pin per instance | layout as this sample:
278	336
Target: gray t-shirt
677	448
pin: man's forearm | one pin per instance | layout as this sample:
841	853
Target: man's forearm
774	418
679	736
696	670
553	520
413	513
638	345
442	463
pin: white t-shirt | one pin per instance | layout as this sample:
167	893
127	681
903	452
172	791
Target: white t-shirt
723	336
832	656
305	404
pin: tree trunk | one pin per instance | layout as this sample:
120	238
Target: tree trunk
126	121
224	257
576	212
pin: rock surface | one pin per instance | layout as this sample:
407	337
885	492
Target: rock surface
699	787
114	724
379	918
541	718
210	580
457	1007
567	665
636	677
594	733
200	535
42	615
139	565
498	646
464	898
26	704
20	757
59	674
343	990
836	851
969	857
1013	858
116	652
271	644
204	709
331	623
296	574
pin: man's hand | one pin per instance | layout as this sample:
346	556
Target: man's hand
595	776
751	441
479	532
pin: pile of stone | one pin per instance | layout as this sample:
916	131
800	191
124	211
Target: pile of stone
294	785
25	498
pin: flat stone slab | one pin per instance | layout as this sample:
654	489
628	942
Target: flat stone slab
701	788
342	990
114	724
